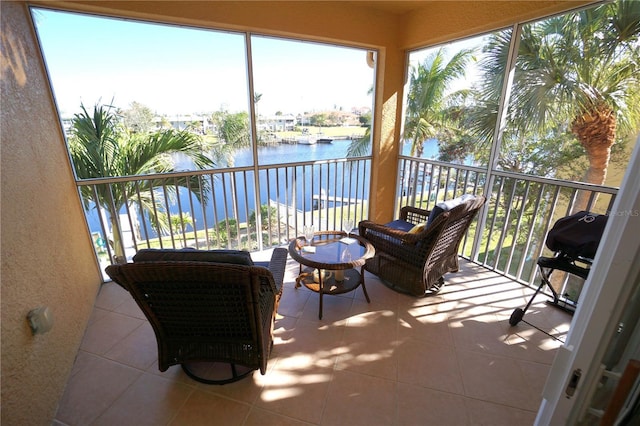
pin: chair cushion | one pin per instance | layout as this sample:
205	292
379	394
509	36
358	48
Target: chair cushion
445	206
236	257
400	224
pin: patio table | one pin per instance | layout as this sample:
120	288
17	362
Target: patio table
330	260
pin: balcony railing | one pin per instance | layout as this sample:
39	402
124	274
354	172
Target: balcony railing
319	193
509	234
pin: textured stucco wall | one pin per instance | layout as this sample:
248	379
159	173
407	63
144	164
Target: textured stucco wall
47	256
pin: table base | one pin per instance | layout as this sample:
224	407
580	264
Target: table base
314	281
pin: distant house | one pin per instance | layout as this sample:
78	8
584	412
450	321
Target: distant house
358	111
277	123
67	124
329	118
200	124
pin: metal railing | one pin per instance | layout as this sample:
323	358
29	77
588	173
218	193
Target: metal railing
508	236
166	210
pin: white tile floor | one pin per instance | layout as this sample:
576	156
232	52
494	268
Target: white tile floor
451	359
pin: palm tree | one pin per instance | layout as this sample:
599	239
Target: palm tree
578	72
429	97
233	133
101	147
360	146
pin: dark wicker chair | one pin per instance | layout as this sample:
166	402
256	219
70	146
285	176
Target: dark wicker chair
207	308
415	262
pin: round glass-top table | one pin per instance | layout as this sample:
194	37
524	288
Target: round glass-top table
330	262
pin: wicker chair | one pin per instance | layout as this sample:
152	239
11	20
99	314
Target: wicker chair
207	308
414	252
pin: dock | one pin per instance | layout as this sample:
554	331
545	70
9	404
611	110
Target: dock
319	200
290	215
320	139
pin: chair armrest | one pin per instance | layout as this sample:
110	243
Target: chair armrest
414	215
366	226
275	268
278	265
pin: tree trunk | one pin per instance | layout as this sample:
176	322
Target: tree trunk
118	247
596	132
416	147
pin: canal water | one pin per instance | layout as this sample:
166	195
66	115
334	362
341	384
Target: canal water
309	181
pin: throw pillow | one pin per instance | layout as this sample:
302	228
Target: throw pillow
418	228
445	206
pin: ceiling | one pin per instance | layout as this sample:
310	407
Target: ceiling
395	7
388	6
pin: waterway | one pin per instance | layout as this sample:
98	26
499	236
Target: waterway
302	183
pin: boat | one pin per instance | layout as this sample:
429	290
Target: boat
307	139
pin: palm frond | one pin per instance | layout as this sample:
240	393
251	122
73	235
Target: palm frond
361	146
99	147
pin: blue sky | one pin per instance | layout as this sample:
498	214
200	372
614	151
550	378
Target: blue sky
179	70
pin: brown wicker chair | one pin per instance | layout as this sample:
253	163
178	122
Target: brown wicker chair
207	308
415	262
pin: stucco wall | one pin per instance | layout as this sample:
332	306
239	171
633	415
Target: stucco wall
47	257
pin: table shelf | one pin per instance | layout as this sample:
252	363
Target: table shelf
351	281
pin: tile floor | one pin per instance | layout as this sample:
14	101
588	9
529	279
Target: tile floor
451	359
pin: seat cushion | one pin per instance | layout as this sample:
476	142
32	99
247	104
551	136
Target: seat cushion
445	206
400	224
236	257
